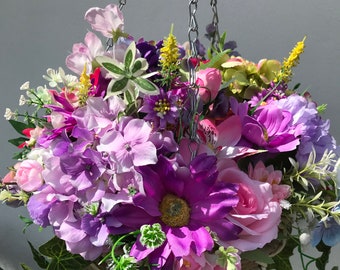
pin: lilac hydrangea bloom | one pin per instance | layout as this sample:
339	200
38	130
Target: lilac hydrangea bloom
315	131
185	201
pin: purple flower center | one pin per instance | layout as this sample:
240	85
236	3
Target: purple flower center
175	211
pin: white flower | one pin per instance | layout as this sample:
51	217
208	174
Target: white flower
304	239
67	79
53	77
25	86
22	100
9	114
285	204
39	154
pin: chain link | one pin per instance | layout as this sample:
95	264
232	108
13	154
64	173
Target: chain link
193	40
122	4
216	37
192	65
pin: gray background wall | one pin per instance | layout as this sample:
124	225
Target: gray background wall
38	34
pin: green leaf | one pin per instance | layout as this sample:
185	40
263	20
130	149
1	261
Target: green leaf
130	55
137	65
61	259
110	65
322	261
23	266
19	126
39	258
28	222
216	61
257	255
17	141
281	260
117	87
146	86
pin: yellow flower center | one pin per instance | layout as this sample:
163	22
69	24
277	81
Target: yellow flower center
175	211
162	106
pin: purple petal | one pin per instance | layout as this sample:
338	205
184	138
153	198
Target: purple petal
148	203
202	240
179	240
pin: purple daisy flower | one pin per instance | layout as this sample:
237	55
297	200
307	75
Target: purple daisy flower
185	202
160	109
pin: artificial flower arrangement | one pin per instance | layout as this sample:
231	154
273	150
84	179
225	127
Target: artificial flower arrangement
135	167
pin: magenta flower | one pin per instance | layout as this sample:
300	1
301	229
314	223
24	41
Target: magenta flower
185	201
129	145
106	20
271	128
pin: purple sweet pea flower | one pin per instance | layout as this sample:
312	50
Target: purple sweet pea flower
185	201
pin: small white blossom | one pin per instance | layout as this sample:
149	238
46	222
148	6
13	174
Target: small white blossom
53	77
25	86
67	79
9	114
285	204
304	238
22	100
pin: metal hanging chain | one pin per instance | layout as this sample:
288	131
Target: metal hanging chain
193	40
122	3
192	65
216	37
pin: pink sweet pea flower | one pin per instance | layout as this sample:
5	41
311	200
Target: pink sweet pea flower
28	175
10	176
209	81
83	54
106	20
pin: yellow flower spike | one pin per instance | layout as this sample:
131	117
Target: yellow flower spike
292	61
169	51
85	84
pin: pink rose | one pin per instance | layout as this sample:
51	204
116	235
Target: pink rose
29	176
267	174
209	81
256	213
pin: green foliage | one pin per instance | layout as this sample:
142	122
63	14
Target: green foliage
28	222
227	257
322	261
38	257
23	266
20	126
128	76
54	256
281	260
257	255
